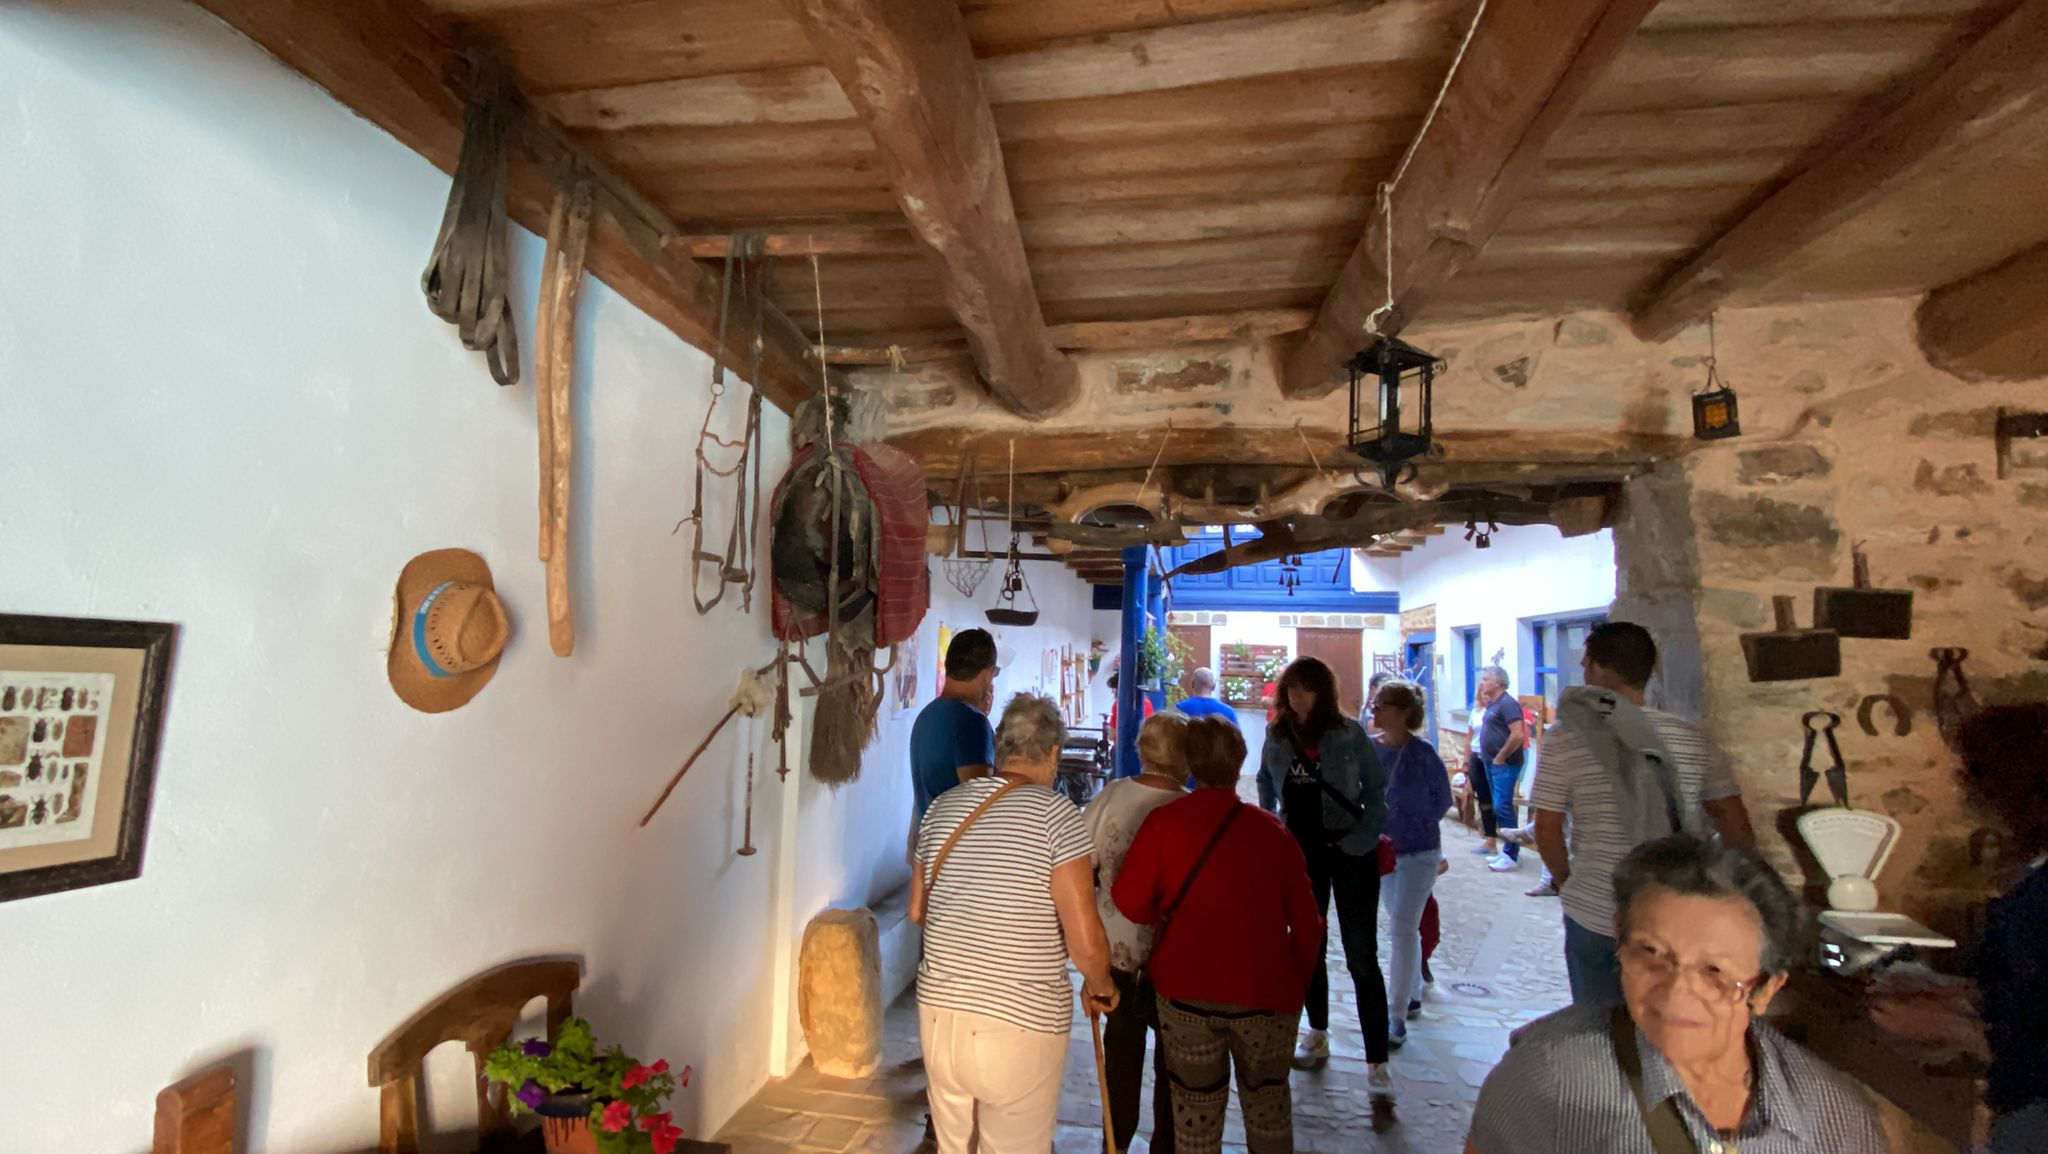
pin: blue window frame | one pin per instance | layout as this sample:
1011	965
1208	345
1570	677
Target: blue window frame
1556	645
1468	649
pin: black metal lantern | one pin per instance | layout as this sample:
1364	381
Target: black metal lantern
1399	434
1714	415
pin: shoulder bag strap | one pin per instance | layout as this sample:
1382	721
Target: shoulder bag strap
1667	1131
1194	871
1316	771
931	876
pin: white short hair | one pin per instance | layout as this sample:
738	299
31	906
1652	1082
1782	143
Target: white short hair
1031	729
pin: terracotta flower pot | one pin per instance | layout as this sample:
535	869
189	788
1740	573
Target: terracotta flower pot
565	1124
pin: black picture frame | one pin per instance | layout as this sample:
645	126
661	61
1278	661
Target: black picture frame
157	640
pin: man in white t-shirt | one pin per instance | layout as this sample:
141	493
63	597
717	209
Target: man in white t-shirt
1576	784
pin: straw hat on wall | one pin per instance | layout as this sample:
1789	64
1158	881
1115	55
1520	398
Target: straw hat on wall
448	631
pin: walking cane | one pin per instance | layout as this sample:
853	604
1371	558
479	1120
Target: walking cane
1102	1084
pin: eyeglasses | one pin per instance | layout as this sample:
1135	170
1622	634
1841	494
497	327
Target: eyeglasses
1658	966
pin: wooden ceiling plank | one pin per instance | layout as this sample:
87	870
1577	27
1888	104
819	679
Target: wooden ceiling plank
1246	327
1330	36
908	68
1529	65
391	62
2000	77
1992	326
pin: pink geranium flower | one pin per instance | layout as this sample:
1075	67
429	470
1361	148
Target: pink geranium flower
617	1116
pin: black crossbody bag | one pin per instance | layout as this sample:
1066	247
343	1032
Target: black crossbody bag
1171	908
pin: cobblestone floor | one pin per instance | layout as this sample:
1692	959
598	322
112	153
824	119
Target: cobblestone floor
1500	964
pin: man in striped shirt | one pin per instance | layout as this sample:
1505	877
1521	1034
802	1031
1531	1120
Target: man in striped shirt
1576	784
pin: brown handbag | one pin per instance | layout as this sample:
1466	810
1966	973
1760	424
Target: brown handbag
920	899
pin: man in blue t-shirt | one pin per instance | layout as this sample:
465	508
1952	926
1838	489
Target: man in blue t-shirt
1503	733
951	741
1200	701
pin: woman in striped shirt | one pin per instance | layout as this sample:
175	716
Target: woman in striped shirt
1005	890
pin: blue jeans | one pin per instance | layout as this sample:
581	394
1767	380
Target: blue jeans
1503	779
1591	964
1405	893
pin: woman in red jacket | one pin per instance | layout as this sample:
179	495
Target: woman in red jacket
1231	964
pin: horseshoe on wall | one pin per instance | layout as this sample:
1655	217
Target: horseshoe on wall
1902	718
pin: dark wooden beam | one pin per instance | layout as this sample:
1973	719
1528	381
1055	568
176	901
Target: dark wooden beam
396	63
909	70
1529	65
1084	336
1529	454
1997	79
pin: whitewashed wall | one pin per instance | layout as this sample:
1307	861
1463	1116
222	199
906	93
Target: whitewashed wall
1529	572
228	407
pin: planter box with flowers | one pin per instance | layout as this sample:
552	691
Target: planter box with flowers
590	1101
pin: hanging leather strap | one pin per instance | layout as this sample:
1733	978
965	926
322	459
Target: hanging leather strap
1667	1131
931	876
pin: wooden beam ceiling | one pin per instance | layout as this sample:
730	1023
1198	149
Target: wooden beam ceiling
1529	65
395	63
908	68
1168	332
1992	326
2001	77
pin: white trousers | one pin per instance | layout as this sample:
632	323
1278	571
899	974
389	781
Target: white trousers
1405	893
988	1077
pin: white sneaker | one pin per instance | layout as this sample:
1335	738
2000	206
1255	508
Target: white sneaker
1504	864
1314	1051
1379	1080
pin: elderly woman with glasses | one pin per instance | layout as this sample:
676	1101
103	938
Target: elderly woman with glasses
1005	890
1707	935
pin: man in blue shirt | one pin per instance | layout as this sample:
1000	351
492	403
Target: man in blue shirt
1200	701
951	741
1503	733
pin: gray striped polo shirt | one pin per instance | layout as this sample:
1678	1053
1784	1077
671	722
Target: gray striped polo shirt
1561	1090
1571	780
992	940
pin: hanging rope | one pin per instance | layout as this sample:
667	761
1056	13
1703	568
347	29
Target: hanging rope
1310	449
1385	194
1156	457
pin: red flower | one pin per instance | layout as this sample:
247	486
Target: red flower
686	1075
661	1066
636	1076
653	1122
665	1139
617	1116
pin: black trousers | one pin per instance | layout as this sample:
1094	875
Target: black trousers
1355	883
1123	1053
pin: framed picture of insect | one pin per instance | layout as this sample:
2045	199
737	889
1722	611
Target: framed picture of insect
81	711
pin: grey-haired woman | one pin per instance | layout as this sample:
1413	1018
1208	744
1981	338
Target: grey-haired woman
1707	935
1005	890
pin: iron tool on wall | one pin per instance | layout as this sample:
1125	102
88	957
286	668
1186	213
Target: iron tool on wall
1837	772
1861	611
1790	653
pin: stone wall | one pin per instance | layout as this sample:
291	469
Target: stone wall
1850	436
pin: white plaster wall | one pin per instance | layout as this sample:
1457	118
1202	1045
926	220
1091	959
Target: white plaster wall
228	407
1531	571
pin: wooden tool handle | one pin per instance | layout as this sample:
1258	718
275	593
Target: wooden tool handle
1782	606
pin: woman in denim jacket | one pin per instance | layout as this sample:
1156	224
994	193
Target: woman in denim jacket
1319	772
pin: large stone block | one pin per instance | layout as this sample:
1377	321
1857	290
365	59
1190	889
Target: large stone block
1788	538
839	993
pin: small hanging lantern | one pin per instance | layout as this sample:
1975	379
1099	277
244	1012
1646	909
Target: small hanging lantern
1395	438
1714	413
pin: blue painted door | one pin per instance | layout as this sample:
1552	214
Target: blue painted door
1421	660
